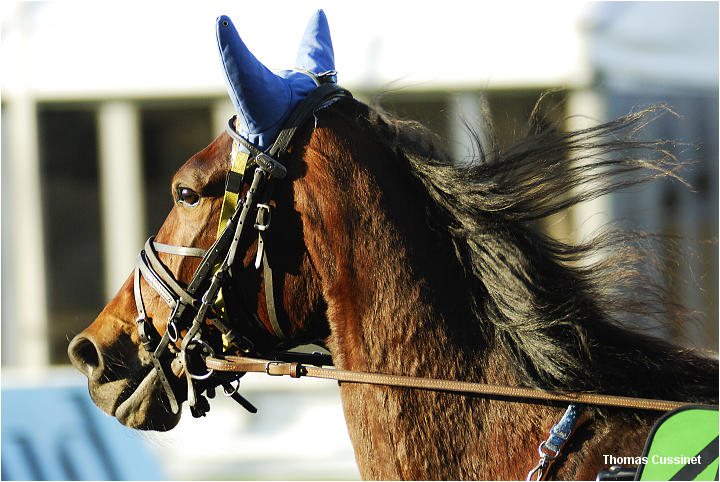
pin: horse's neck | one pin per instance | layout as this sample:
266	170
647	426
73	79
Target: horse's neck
395	306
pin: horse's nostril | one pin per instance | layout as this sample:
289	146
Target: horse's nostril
84	355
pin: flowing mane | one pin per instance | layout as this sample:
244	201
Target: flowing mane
561	323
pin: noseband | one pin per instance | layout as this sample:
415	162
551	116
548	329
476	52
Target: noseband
199	305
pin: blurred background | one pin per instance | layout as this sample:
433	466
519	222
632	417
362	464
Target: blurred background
102	102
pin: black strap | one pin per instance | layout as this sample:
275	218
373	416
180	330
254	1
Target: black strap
306	108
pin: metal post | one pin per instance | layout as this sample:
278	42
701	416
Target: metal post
24	294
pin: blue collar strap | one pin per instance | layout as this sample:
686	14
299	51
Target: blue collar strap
265	99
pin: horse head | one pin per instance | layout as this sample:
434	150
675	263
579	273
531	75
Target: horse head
116	351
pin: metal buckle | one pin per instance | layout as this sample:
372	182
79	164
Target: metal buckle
327	77
545	458
171	326
263	217
270	166
267	368
172	331
546	455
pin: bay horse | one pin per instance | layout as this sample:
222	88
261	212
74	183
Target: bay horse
402	261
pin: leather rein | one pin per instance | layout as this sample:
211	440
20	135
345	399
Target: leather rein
298	370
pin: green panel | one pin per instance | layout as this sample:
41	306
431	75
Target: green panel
684	441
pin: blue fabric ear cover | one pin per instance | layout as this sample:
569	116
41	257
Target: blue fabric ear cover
264	99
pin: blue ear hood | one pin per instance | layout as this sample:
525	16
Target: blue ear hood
264	99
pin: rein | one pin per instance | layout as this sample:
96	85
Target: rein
297	370
549	450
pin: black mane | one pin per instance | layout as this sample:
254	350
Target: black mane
563	325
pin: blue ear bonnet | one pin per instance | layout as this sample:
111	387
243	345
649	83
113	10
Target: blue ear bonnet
264	99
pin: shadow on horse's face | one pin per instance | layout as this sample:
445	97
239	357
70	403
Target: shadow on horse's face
121	378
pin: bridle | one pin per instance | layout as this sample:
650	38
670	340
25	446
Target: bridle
192	307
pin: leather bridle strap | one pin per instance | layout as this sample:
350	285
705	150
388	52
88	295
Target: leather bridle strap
297	370
321	96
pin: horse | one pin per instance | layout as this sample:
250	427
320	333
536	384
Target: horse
400	260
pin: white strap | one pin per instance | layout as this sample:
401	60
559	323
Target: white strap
179	250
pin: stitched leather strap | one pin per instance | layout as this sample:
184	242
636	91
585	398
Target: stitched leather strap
244	364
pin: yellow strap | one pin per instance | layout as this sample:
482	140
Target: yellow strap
239	164
230	201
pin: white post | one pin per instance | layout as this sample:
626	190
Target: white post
24	322
121	187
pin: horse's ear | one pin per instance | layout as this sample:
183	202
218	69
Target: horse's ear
316	50
260	97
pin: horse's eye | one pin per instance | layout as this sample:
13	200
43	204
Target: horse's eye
187	197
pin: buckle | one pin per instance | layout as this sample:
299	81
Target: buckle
267	368
270	166
327	77
546	452
234	182
262	220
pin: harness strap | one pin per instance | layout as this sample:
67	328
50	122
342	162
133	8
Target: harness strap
270	297
145	328
234	181
179	250
324	93
230	129
245	364
161	270
155	281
